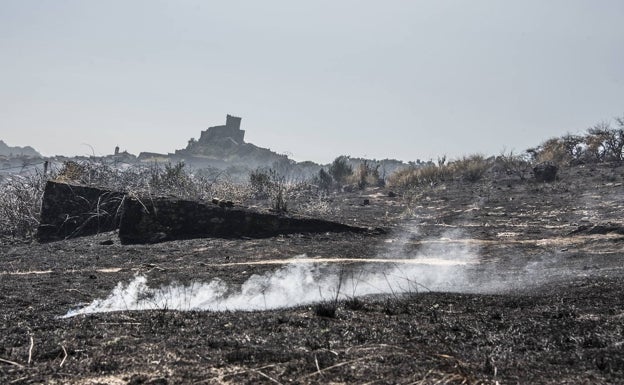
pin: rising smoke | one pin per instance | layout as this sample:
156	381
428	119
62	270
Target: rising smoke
439	266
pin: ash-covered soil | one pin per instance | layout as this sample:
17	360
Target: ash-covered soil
533	293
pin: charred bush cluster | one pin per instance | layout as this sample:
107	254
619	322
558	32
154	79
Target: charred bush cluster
601	143
21	196
341	172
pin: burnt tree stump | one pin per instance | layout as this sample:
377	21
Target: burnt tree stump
164	219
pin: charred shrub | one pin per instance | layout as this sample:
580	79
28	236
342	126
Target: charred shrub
557	150
545	172
340	169
326	309
366	175
104	365
20	204
518	165
601	143
354	303
269	184
173	179
324	180
396	306
261	183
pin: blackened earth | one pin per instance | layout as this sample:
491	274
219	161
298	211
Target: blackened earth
545	303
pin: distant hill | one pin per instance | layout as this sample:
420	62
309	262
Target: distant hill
6	150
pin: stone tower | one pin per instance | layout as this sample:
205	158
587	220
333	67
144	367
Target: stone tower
231	130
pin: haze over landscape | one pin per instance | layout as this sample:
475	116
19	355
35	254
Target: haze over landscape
405	80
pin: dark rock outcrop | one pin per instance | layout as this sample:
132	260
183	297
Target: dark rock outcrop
545	172
599	229
69	210
165	219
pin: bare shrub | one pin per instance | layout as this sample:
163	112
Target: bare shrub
278	197
606	143
354	303
91	173
20	196
174	180
20	204
324	181
225	188
268	183
552	150
319	205
469	168
326	309
519	165
601	143
261	183
365	175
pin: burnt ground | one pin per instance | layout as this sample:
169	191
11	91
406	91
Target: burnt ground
544	303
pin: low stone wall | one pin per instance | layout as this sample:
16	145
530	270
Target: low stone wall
165	219
69	210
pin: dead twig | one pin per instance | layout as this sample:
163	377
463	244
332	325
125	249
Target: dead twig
244	371
32	345
422	380
266	376
332	367
318	369
64	357
11	363
77	291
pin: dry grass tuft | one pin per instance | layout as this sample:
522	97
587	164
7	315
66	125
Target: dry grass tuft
469	168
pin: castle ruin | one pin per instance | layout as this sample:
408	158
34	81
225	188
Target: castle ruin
231	130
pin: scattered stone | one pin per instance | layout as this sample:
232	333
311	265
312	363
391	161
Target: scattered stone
606	229
222	203
107	242
366	202
601	229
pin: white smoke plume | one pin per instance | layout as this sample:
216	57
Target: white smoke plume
438	266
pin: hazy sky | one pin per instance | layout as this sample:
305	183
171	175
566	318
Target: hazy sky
315	79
